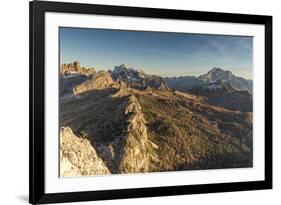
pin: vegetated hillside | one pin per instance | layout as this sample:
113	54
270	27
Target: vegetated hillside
147	130
191	134
225	95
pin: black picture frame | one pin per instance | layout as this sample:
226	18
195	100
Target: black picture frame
37	10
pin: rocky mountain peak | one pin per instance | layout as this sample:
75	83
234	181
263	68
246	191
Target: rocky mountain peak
120	68
137	78
217	74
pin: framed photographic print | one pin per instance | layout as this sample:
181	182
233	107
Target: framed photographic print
140	102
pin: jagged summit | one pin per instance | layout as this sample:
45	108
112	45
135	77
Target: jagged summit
138	78
125	68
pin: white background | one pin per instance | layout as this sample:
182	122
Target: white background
14	100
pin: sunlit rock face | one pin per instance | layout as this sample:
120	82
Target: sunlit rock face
78	157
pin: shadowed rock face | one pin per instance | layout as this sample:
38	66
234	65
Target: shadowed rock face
109	126
69	82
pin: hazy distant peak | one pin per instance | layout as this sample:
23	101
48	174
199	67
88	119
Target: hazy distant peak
138	78
120	68
218	85
217	74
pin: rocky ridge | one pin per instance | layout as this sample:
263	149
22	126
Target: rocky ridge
99	80
187	83
134	155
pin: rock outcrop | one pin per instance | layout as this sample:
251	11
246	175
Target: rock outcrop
135	152
99	80
78	157
75	67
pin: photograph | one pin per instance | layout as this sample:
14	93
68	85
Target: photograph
134	102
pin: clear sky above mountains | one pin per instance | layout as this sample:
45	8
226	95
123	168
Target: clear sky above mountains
161	53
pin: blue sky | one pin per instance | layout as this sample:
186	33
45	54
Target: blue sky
161	53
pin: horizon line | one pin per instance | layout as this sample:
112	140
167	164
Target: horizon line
163	76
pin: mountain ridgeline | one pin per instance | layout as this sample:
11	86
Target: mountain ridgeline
126	121
187	83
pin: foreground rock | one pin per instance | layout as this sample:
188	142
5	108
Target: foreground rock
78	157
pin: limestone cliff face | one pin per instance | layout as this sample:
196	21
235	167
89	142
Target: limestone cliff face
75	67
78	157
98	80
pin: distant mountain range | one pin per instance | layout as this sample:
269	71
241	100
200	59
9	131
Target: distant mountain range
126	121
186	83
